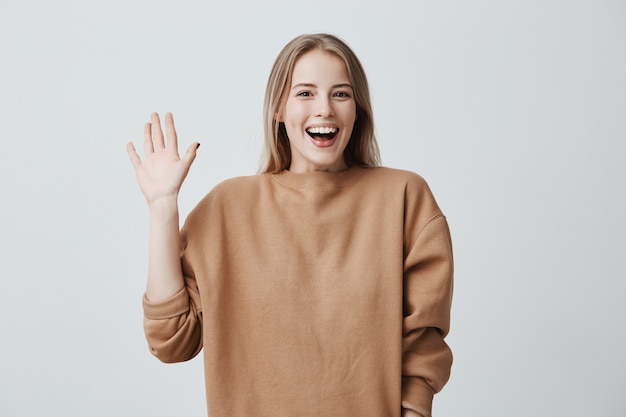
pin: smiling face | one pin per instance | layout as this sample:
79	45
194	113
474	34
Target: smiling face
319	112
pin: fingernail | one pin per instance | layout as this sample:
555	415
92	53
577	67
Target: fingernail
197	146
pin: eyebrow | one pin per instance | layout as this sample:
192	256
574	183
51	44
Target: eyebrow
311	85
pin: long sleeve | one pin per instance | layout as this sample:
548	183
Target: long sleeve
428	282
173	327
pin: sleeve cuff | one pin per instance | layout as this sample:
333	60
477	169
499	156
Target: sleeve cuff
417	395
171	307
418	410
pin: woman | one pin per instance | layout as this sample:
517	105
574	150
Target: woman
320	287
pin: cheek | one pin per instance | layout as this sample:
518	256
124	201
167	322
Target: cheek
352	115
292	113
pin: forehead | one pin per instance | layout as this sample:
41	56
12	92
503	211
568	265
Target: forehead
318	66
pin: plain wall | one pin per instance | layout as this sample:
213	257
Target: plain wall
514	112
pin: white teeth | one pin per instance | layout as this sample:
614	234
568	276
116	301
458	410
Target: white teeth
322	130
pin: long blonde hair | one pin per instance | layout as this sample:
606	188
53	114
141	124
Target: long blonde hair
362	149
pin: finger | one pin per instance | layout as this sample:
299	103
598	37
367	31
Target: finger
190	155
132	153
148	148
157	133
170	131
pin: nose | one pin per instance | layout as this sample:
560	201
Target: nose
324	106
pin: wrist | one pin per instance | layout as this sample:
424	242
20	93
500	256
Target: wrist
164	208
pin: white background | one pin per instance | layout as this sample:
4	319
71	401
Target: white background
515	112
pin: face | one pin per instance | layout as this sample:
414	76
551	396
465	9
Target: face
319	113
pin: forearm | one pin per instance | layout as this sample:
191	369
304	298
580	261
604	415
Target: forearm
165	277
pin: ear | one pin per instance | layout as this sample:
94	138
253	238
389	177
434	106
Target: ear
278	116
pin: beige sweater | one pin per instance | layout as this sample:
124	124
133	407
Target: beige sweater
314	294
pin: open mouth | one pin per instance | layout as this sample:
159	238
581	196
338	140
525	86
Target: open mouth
322	133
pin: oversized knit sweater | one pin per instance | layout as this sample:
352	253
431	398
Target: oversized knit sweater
313	294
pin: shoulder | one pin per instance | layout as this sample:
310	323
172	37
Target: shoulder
236	185
413	190
235	192
393	177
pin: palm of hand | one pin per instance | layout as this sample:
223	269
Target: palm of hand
162	172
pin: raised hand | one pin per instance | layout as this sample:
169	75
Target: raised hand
162	172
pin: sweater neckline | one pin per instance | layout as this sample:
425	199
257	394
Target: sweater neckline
306	179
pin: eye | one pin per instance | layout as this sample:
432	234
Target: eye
342	94
304	94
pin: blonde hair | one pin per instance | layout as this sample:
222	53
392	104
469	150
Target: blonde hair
362	148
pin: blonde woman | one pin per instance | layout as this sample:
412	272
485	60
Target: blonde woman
321	286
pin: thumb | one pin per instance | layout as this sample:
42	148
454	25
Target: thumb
190	155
